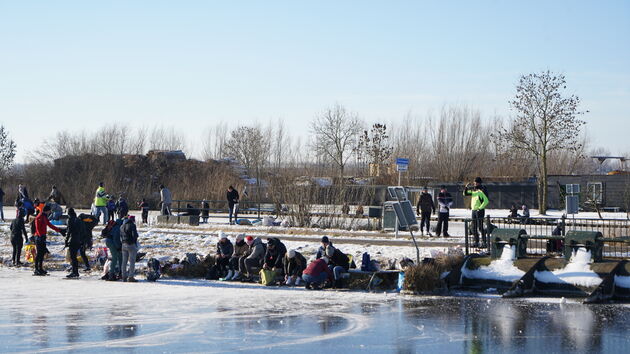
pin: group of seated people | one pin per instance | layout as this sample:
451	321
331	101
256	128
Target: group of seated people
244	259
523	216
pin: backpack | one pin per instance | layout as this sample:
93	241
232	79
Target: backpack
213	273
365	262
153	269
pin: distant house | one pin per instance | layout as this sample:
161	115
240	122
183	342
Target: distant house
611	190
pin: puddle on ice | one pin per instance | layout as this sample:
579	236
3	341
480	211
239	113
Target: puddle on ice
53	315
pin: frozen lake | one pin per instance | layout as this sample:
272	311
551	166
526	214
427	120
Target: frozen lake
51	314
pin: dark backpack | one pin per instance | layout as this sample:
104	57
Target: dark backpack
153	269
107	231
365	262
213	273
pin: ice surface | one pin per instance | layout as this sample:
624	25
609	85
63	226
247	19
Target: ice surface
576	272
622	281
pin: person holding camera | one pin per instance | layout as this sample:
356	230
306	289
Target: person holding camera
478	202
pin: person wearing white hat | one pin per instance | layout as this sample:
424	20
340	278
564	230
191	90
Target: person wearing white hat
294	264
240	249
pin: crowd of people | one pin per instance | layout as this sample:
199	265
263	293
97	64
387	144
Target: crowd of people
249	256
242	260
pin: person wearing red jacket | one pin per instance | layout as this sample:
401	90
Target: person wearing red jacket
317	273
41	224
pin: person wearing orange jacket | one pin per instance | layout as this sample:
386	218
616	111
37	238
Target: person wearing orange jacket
41	225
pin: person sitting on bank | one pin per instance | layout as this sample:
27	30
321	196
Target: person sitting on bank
225	249
339	263
294	265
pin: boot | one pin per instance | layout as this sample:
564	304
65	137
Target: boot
229	275
236	276
131	280
72	275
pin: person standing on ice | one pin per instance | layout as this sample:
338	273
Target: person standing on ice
2	204
74	240
166	199
144	207
57	196
241	249
478	202
232	199
129	238
17	230
111	208
317	273
41	229
294	264
425	208
100	203
225	249
445	201
114	244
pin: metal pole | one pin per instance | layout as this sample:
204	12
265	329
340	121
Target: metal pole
415	244
399	173
397	227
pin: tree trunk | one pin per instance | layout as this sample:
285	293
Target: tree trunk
542	208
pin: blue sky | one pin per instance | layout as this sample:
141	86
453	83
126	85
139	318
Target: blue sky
80	64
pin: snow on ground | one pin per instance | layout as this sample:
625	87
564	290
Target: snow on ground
576	272
500	269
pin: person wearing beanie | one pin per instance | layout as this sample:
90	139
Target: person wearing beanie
276	250
41	225
445	202
317	273
294	264
254	259
338	262
478	202
129	238
225	249
241	249
17	230
322	249
74	240
424	209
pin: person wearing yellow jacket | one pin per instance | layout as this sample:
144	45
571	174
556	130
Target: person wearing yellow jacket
478	202
100	203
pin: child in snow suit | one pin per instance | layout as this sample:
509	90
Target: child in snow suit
17	230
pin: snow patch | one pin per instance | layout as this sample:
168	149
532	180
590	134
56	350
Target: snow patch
500	269
577	271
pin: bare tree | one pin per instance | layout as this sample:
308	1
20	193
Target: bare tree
335	133
7	151
374	147
546	121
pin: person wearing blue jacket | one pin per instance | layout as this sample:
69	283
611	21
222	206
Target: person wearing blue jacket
114	244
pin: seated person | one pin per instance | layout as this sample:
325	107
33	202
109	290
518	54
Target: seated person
294	265
513	212
317	273
241	249
225	249
525	214
339	263
276	251
254	259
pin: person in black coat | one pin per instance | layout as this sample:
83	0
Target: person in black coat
233	199
425	208
225	249
294	265
17	230
75	237
339	263
276	251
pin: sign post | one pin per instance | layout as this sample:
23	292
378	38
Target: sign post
401	165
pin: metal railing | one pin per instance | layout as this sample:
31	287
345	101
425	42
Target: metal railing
545	235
